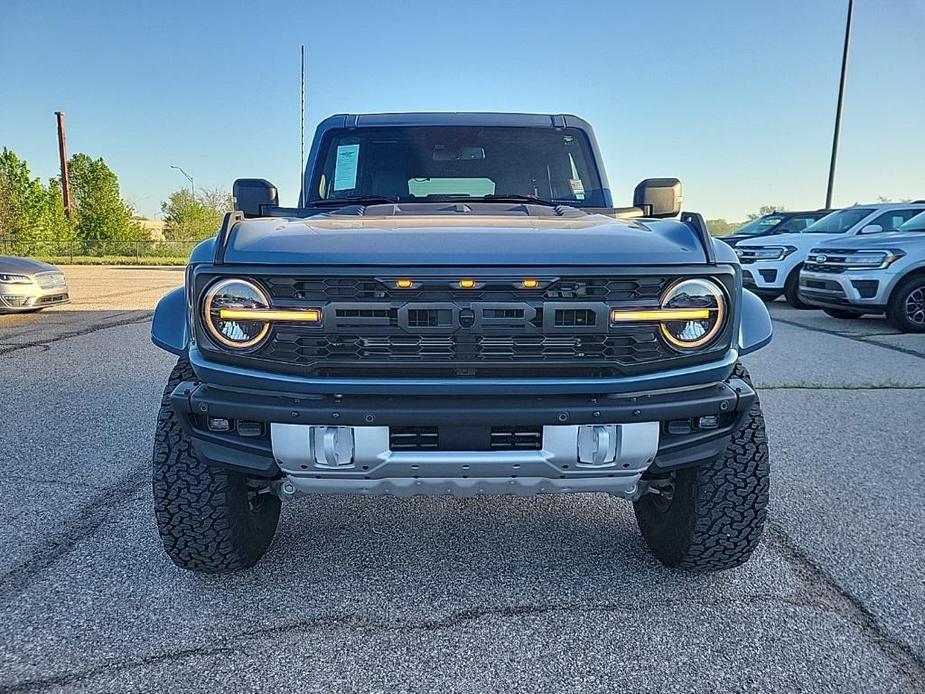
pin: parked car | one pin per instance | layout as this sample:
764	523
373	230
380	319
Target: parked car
30	285
771	266
775	223
456	308
883	274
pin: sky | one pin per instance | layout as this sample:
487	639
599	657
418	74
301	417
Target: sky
736	98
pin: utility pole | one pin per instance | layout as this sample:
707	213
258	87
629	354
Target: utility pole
192	188
841	97
62	154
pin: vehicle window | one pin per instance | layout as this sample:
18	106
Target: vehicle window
891	220
795	224
762	225
473	187
839	222
916	223
409	163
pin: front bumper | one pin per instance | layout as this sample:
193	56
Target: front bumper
759	276
866	289
647	433
28	297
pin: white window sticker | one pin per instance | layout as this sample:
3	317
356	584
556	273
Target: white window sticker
578	188
345	167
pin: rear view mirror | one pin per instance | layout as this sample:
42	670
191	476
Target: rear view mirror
253	195
659	197
444	153
872	229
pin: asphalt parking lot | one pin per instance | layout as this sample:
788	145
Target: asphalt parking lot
553	594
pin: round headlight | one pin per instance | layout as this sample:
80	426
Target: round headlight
229	295
699	295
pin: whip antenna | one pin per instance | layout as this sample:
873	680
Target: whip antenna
302	134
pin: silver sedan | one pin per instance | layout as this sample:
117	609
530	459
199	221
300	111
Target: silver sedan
30	285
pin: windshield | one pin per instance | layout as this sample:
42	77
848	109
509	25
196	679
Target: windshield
839	222
433	163
762	225
916	223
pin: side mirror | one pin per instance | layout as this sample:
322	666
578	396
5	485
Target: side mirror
659	197
252	195
872	229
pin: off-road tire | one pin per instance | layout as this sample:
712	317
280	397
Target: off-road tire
842	314
208	518
896	310
792	288
715	517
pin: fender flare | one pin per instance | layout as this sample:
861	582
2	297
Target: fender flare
170	329
755	329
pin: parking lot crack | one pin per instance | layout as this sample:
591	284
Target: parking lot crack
821	588
74	677
45	344
864	339
62	541
233	644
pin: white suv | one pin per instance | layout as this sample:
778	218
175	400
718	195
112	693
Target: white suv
771	266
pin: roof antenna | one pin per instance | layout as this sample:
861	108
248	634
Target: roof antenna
302	135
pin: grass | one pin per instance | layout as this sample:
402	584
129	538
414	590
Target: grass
111	260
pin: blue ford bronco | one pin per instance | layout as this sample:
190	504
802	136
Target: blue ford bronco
456	308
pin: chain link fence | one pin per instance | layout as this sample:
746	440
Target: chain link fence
70	251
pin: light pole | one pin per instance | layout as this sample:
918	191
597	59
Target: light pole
841	97
192	188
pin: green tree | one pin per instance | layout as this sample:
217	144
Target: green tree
720	227
766	209
102	214
191	217
32	218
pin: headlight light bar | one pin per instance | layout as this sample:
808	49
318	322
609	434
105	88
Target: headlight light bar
237	313
692	313
764	252
866	259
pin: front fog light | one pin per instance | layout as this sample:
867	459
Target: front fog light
700	295
228	297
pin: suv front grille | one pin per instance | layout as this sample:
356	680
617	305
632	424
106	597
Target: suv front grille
370	328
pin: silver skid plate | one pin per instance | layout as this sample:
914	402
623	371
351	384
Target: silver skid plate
358	460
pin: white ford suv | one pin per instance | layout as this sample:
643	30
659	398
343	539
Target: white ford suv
771	266
879	274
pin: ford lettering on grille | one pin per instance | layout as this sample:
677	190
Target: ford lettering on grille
483	317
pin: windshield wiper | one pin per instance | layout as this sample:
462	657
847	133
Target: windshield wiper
531	199
356	200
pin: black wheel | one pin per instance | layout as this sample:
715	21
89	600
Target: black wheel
842	314
766	294
791	291
210	519
711	516
906	309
